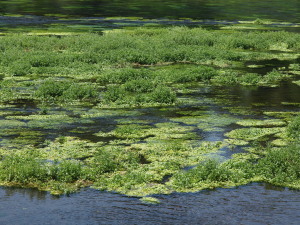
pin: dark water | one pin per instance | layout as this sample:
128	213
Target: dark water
251	204
197	9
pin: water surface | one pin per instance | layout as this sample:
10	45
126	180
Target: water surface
196	9
251	204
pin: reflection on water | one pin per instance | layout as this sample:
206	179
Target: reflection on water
197	9
251	204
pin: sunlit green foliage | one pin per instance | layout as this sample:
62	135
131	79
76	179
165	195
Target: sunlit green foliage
65	91
293	128
138	68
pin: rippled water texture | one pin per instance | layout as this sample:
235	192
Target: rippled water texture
240	205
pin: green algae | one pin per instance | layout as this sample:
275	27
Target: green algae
11	123
46	121
297	82
128	131
235	142
261	123
253	133
239	110
282	115
150	200
208	121
69	148
137	159
279	142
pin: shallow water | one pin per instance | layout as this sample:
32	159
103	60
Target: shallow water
251	204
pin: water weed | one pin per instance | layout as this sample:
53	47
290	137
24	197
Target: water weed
64	128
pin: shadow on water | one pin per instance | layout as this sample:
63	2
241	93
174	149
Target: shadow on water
196	9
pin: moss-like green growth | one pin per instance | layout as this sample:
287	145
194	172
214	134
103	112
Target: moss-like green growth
208	121
143	151
27	169
150	200
59	89
68	148
297	82
253	133
293	129
261	123
131	131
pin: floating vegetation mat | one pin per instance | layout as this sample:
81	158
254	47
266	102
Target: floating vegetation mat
143	111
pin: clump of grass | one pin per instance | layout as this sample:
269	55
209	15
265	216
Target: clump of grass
120	76
62	90
273	77
22	169
209	171
51	88
193	74
140	85
20	68
280	166
114	93
249	79
259	21
163	94
67	171
293	128
27	168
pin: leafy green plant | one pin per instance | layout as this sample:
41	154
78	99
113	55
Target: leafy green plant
51	88
280	165
140	85
293	128
273	77
114	93
66	171
64	90
22	169
80	92
163	94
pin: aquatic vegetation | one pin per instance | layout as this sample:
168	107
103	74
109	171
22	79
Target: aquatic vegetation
253	133
281	166
163	95
297	82
68	148
64	127
27	169
208	121
282	115
108	69
63	90
261	123
150	200
293	128
274	77
46	121
127	131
